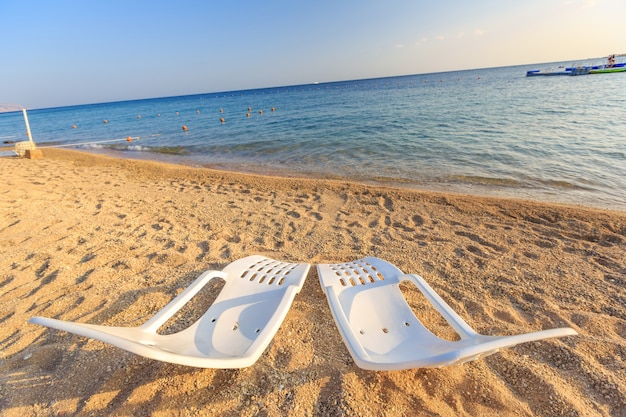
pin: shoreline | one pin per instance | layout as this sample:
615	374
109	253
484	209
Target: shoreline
457	189
105	240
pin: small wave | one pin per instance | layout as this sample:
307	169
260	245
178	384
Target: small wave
137	148
392	180
476	179
90	146
114	147
170	150
131	148
562	184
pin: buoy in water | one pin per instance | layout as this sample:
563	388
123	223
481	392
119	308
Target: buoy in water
73	126
129	139
184	128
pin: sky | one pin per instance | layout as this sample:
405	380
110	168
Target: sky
58	53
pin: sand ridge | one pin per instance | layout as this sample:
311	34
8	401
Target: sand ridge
110	241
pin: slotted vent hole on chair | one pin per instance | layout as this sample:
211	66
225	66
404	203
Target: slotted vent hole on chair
371	273
194	309
268	273
357	274
426	313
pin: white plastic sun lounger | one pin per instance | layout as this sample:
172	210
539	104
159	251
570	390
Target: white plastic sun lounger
382	333
234	331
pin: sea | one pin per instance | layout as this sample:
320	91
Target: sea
489	132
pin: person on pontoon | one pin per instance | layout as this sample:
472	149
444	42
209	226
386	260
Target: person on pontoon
611	61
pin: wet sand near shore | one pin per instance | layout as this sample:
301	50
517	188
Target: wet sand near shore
102	240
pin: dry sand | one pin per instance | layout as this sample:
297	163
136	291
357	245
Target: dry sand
101	240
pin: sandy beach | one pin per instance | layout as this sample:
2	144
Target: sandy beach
110	241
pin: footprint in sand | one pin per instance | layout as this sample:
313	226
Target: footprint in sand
316	216
475	238
531	255
505	316
387	203
402	226
417	220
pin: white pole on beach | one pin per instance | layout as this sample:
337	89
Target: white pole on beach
30	137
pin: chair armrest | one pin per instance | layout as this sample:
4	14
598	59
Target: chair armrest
453	319
177	303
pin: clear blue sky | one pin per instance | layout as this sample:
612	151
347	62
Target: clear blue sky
56	53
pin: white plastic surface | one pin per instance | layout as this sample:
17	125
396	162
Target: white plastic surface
382	333
234	331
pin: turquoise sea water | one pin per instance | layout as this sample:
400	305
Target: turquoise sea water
486	132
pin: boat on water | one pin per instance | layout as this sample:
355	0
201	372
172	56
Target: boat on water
607	70
559	71
603	66
610	67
